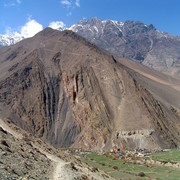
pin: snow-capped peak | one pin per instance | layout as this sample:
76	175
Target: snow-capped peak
118	23
9	39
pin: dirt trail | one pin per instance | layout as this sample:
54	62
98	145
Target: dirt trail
60	171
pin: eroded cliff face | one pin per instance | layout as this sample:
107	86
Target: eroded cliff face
70	93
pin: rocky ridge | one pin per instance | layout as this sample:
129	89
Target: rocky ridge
135	41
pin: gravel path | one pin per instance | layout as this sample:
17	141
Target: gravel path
60	172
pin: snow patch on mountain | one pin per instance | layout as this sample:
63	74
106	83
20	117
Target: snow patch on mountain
10	39
59	25
117	24
29	29
96	29
93	27
75	27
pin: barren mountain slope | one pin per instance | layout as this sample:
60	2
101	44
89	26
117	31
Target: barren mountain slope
65	90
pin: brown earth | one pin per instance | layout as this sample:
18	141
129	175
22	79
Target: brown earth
61	88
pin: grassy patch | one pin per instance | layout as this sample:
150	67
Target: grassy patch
118	169
173	155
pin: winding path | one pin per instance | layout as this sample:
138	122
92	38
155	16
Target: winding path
60	171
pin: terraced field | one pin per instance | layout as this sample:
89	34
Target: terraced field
120	169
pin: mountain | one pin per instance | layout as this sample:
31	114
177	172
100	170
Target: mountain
134	40
129	39
65	90
10	39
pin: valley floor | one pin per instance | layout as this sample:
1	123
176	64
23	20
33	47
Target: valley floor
161	165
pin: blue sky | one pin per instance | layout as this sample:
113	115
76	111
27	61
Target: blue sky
16	14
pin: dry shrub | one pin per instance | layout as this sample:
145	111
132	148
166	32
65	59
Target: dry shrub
115	167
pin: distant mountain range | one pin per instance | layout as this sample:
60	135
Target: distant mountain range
129	39
134	40
7	40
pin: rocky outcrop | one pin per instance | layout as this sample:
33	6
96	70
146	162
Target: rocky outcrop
71	94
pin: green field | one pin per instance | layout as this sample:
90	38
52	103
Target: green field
118	169
173	155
